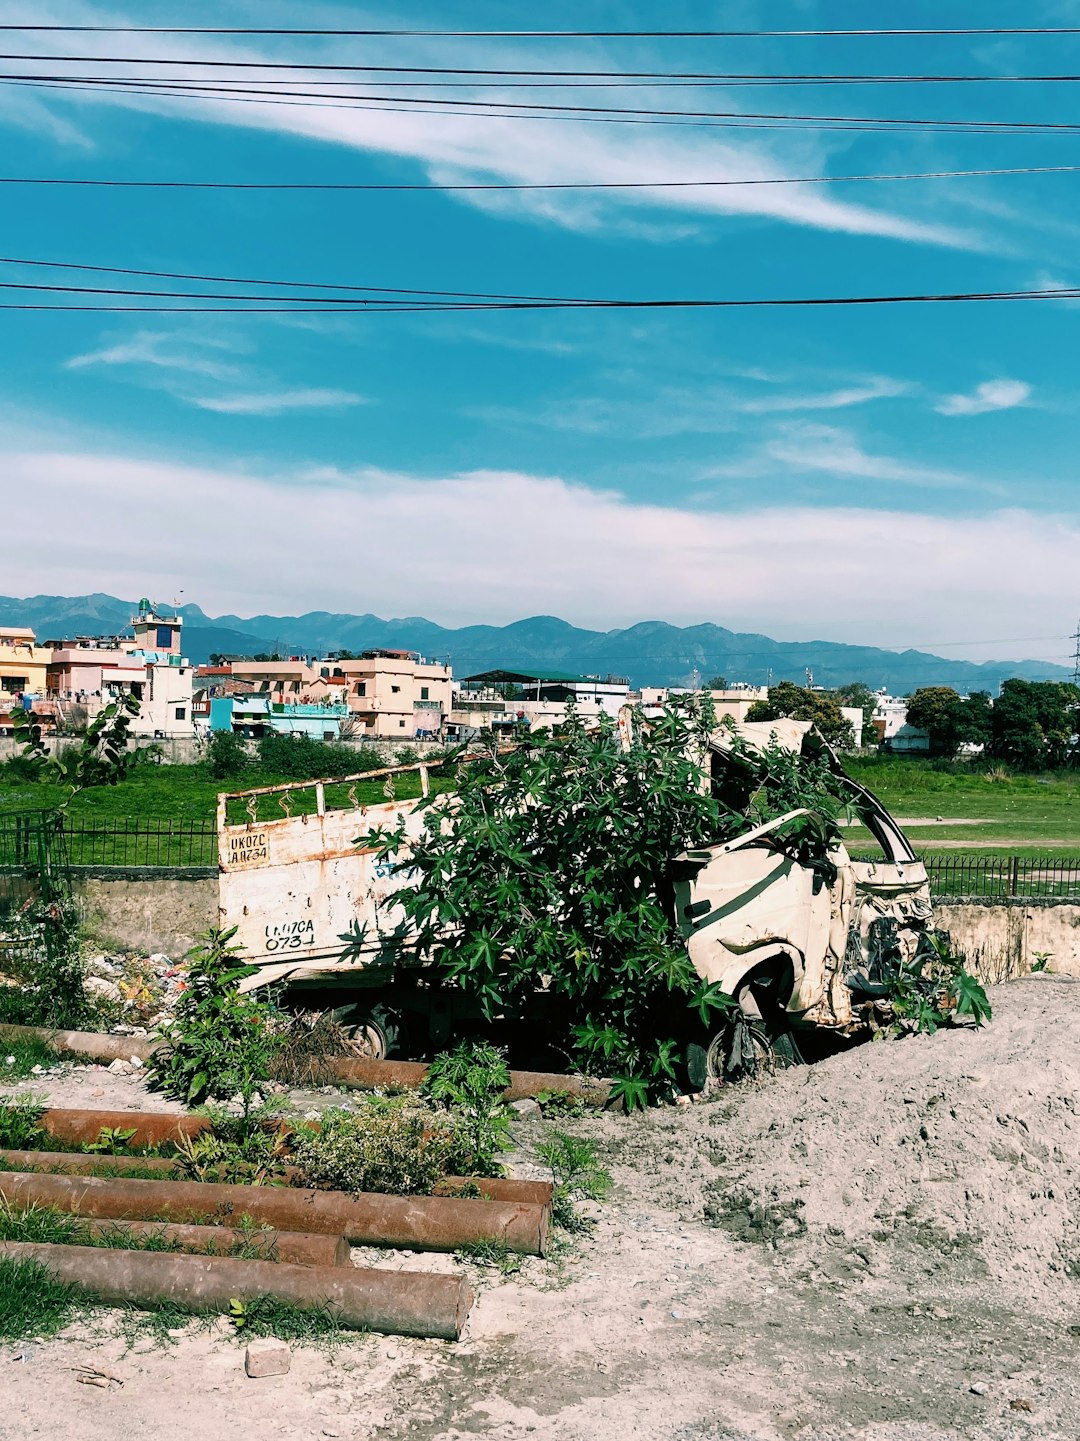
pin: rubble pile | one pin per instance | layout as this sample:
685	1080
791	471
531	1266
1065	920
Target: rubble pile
137	993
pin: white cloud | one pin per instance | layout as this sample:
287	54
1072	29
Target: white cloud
527	544
276	402
834	451
991	395
162	350
454	147
877	388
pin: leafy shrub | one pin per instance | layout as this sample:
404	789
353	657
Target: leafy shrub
557	862
391	1145
299	758
469	1083
576	1175
934	988
48	965
19	1129
227	755
220	1043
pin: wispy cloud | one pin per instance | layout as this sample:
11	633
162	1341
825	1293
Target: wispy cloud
277	402
456	146
991	395
877	388
830	450
163	350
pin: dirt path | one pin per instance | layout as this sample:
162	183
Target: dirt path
842	1252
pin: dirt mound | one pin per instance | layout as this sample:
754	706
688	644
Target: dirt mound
962	1147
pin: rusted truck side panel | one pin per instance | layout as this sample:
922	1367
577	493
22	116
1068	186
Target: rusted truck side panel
292	886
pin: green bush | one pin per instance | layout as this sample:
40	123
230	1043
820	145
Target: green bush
48	965
221	1043
468	1083
393	1146
227	756
299	758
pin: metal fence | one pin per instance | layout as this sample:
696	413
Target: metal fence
135	841
33	860
986	876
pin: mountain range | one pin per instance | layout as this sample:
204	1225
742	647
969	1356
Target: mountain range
651	653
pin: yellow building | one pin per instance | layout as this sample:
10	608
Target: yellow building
23	663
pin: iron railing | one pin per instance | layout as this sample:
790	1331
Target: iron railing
990	876
136	841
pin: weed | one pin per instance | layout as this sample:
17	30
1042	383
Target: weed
561	1103
934	988
42	1224
1041	961
396	1147
18	1058
249	1150
32	1302
491	1254
19	1129
267	1316
576	1174
469	1082
111	1141
221	1043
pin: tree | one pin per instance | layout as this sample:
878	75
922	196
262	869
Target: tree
1034	724
554	870
977	722
790	701
716	682
938	710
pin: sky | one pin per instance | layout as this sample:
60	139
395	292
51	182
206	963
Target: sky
897	476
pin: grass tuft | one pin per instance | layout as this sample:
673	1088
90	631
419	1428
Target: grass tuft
32	1302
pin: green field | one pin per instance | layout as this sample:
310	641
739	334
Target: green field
1018	814
1023	815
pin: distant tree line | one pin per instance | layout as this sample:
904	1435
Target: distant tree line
1033	725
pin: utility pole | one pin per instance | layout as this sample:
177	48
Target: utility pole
1076	655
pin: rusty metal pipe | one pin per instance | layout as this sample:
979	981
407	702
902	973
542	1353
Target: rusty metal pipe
78	1163
404	1303
80	1128
296	1248
418	1223
353	1071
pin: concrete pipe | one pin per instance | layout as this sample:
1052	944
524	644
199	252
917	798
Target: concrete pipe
402	1303
84	1043
80	1128
77	1163
295	1248
418	1223
365	1075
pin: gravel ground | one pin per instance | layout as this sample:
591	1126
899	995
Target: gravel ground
881	1247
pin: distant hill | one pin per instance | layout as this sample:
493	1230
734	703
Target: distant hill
649	653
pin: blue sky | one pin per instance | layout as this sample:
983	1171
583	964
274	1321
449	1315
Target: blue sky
901	476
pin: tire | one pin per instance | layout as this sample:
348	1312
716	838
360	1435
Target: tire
376	1033
744	1047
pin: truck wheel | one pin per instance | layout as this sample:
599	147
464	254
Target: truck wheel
745	1045
374	1032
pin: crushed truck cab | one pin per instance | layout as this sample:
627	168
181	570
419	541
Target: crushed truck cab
806	941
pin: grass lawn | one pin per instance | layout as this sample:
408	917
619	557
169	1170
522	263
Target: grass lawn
1019	814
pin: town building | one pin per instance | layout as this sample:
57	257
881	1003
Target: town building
23	673
255	716
542	697
893	731
394	694
90	672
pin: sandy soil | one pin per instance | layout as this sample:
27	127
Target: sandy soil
841	1252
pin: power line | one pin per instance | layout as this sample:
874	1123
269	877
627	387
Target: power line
1037	30
289	185
477	76
539	110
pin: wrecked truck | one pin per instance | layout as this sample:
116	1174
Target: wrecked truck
806	943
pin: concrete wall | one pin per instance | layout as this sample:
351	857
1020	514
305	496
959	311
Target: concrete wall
1002	939
147	909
